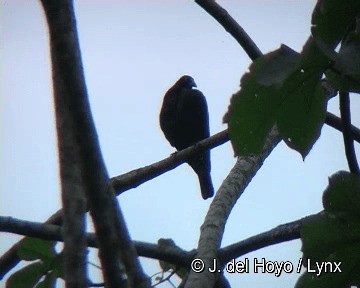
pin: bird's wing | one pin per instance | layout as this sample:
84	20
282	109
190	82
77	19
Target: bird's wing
194	114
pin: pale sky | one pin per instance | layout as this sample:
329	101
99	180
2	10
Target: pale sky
133	51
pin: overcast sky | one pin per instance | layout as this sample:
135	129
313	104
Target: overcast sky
133	51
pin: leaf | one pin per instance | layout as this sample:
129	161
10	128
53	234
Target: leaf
281	88
348	277
343	194
332	18
57	265
304	105
341	83
347	66
48	282
34	248
349	56
328	234
26	277
303	111
282	63
334	236
251	113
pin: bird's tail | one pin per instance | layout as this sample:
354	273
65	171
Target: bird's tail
206	186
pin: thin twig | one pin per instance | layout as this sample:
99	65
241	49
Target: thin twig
141	175
344	101
167	278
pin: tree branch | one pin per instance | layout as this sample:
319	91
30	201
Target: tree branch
345	113
282	233
139	176
335	122
72	183
231	26
229	192
76	130
175	255
64	49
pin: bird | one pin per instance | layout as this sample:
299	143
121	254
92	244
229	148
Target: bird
184	120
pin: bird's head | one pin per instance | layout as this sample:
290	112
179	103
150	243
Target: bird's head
186	81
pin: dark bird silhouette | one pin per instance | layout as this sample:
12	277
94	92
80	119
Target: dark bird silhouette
184	119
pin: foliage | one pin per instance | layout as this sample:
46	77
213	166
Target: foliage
284	87
43	271
334	237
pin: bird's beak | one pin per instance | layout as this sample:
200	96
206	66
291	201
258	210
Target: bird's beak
193	83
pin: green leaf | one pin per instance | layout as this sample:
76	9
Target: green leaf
332	18
279	65
343	194
303	110
334	236
347	66
251	112
34	248
48	282
57	266
281	88
328	234
349	259
341	83
26	277
349	56
331	239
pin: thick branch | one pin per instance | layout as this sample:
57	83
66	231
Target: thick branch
63	39
213	227
344	100
229	192
175	255
53	233
74	121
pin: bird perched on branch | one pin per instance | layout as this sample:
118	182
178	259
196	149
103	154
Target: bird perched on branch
184	119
